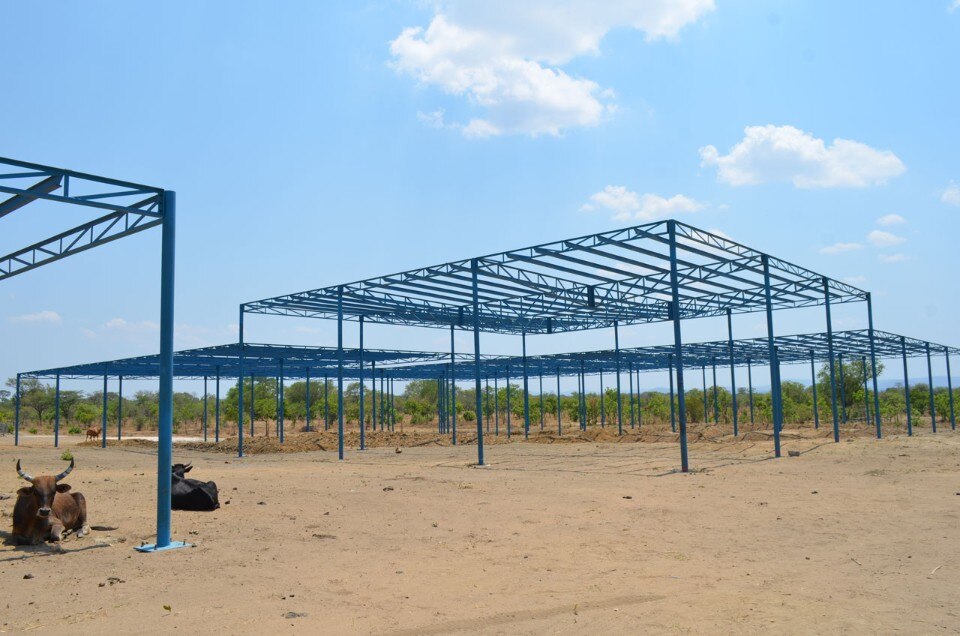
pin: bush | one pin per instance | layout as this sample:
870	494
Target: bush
67	456
469	416
10	428
74	430
33	430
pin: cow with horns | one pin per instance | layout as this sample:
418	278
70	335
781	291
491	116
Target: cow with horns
46	509
192	494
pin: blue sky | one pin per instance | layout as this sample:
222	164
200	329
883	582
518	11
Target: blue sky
314	143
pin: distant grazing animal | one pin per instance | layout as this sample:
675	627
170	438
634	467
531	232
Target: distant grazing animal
45	509
192	494
93	433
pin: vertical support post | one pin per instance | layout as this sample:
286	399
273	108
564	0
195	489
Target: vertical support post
541	394
673	410
832	360
103	414
750	388
583	398
253	404
486	393
526	390
453	388
603	412
774	392
559	427
866	391
933	410
205	407
16	414
363	424
56	414
678	344
307	398
340	372
120	408
716	398
216	408
474	266
953	416
639	401
813	384
733	374
706	408
843	391
165	429
633	415
906	386
280	414
496	404
509	431
393	410
616	342
878	420
326	402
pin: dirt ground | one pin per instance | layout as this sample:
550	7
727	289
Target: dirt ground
590	537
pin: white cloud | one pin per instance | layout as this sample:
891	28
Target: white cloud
44	316
840	248
891	219
785	153
879	238
630	206
855	280
892	258
954	6
951	195
504	57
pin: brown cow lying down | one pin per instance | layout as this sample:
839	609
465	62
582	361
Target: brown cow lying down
46	509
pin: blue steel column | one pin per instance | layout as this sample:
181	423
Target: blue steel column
509	431
777	414
813	381
120	409
393	411
750	387
832	360
843	391
205	410
486	398
733	373
326	402
933	410
678	345
282	405
363	425
706	408
16	414
340	372
616	343
56	413
373	395
496	405
583	398
866	391
673	411
240	383
873	368
103	418
165	432
603	413
906	386
216	408
453	387
639	401
307	398
474	265
953	417
526	390
633	414
541	394
559	428
716	397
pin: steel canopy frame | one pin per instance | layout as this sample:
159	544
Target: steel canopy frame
124	208
647	273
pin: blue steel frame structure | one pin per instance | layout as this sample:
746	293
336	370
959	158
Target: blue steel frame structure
124	208
664	271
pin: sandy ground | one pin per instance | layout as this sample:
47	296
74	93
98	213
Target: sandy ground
857	537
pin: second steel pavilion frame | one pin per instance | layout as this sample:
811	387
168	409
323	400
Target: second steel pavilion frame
664	271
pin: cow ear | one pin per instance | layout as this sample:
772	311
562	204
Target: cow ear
63	487
26	490
188	469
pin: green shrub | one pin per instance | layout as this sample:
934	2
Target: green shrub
74	430
33	430
469	416
67	456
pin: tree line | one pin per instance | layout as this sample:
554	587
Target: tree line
418	403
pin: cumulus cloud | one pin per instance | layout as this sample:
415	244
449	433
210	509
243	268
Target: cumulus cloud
951	195
892	258
891	219
785	153
45	316
630	206
504	57
879	238
841	248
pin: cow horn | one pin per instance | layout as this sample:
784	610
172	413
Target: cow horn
22	474
64	473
